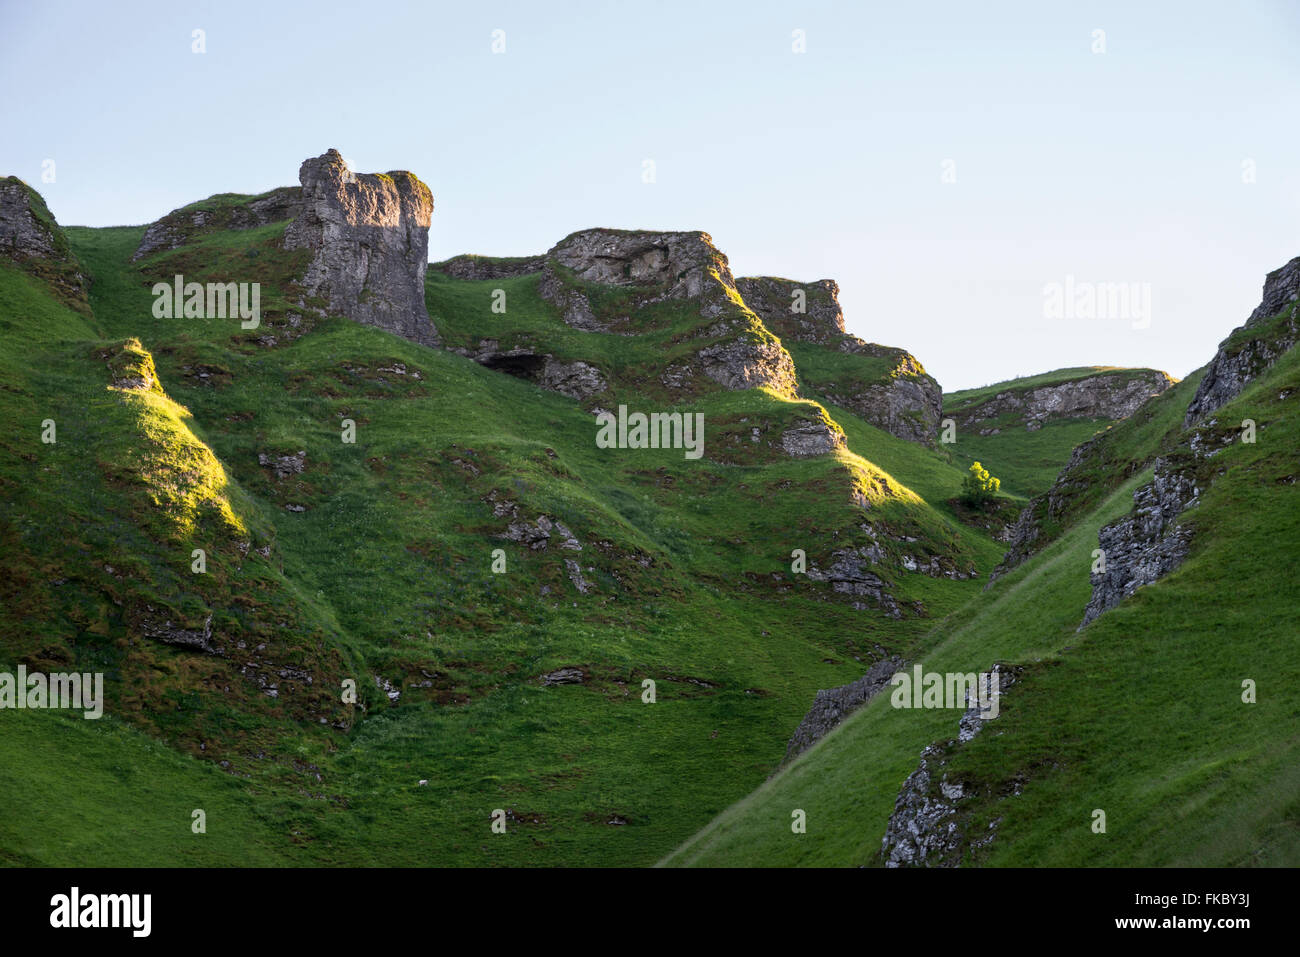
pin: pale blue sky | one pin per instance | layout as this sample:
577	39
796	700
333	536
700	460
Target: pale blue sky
1124	166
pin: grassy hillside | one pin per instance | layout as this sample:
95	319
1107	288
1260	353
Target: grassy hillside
1140	714
372	561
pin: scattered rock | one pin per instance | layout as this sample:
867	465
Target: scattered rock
563	676
283	466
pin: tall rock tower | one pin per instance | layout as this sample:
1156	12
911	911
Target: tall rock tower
369	234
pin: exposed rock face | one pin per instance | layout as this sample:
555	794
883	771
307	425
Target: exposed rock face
370	238
196	639
563	676
180	225
905	402
775	301
667	265
24	232
849	574
1243	355
485	267
30	236
746	364
1281	289
578	380
833	705
1103	396
736	352
925	828
1148	543
811	438
537	534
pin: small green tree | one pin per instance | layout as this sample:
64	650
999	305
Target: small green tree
979	488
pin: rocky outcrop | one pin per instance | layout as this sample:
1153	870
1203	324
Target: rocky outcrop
195	639
576	379
369	238
1148	543
811	438
736	350
27	230
801	312
469	266
926	829
1114	395
904	401
665	265
833	705
218	213
283	466
563	676
30	237
1253	347
849	574
749	363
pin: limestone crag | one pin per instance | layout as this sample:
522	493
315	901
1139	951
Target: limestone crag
1148	543
369	235
666	265
1102	396
744	363
736	351
905	401
777	303
1253	347
811	438
30	237
24	231
180	225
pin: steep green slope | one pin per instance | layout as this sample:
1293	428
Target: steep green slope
372	561
1140	714
847	783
